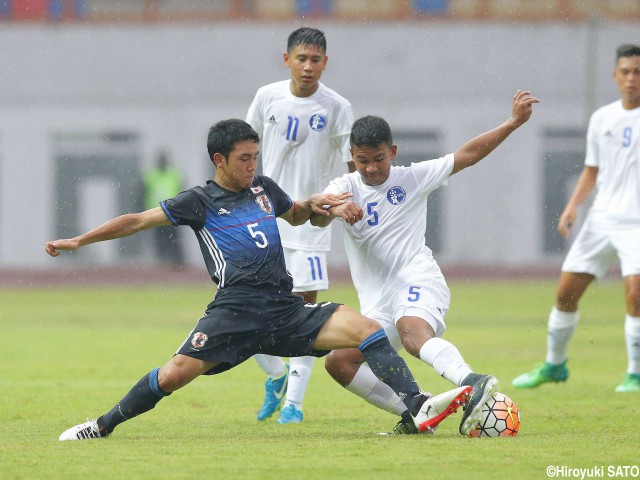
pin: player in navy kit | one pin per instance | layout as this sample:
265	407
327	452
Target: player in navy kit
254	311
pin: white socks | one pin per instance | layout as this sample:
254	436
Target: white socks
299	375
632	336
560	330
366	385
272	366
445	358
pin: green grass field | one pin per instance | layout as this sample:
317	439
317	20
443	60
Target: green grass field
69	354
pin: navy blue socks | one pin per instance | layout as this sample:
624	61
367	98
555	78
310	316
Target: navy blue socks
141	398
391	368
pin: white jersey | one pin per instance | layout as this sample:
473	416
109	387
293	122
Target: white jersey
301	139
613	145
387	249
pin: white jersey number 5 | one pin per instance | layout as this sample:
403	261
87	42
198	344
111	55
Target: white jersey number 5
261	239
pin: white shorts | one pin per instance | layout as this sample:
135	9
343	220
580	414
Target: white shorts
596	249
308	269
430	301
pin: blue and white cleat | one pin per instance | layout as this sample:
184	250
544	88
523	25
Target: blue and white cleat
290	414
275	390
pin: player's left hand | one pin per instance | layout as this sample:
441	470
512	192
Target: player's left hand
320	202
522	107
350	212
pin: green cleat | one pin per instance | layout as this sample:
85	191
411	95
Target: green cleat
631	383
544	373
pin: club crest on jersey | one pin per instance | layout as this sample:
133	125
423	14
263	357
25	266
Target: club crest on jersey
396	195
264	203
199	339
317	122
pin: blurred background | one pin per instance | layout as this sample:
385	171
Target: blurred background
94	92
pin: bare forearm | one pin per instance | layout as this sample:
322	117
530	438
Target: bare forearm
584	186
321	220
479	147
316	205
300	212
119	227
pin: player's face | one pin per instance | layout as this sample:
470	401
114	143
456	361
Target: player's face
237	172
306	62
374	163
627	77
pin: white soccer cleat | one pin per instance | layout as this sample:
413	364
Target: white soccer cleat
437	408
85	431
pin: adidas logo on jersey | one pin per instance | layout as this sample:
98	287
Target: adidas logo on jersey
223	211
272	119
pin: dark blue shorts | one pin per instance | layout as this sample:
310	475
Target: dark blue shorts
242	322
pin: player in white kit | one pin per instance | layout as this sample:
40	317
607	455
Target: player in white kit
611	229
304	129
399	283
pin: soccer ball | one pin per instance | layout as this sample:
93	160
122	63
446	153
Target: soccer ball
500	418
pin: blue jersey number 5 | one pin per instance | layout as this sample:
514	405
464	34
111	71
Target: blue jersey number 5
370	211
414	294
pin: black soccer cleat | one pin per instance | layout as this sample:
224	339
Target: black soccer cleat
483	387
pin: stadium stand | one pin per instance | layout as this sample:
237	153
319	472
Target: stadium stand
122	11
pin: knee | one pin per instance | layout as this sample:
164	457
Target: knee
169	378
414	335
173	375
332	363
371	327
337	359
566	300
342	365
413	344
633	302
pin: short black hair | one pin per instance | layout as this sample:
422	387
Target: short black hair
627	50
307	36
224	135
370	131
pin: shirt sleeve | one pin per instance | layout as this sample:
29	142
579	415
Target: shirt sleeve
255	116
592	158
431	174
186	208
340	185
340	137
281	201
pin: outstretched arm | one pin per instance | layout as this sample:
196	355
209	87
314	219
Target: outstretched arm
584	187
477	148
118	227
301	211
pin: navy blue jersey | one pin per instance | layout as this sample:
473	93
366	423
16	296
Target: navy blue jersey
237	232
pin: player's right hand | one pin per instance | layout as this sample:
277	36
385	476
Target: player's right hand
53	248
566	221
